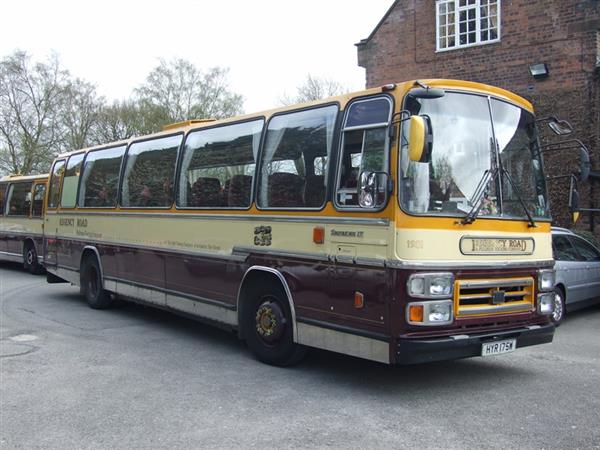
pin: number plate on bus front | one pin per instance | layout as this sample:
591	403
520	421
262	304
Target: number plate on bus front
499	347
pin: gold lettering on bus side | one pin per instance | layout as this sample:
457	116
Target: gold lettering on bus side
343	233
415	243
82	223
67	222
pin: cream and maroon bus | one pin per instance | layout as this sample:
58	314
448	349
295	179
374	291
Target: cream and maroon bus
21	219
401	224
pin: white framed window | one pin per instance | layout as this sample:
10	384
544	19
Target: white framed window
464	23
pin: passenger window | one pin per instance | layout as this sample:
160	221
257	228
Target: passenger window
563	250
54	187
100	178
71	180
2	196
295	159
586	250
39	192
363	148
218	166
150	173
19	199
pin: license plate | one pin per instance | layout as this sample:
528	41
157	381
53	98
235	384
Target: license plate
498	347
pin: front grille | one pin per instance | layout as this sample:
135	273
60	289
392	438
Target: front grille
493	296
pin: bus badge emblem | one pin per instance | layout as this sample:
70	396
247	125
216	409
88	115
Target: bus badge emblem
498	297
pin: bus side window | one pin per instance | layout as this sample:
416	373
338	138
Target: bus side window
150	173
218	166
2	196
71	180
100	178
289	177
19	199
39	191
54	185
364	147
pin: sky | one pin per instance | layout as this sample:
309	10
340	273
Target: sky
269	46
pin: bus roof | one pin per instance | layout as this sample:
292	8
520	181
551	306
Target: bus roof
15	178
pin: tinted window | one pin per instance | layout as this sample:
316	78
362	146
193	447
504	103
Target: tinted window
218	166
586	250
38	200
71	180
2	195
19	199
55	178
364	148
369	112
150	173
563	250
296	147
100	178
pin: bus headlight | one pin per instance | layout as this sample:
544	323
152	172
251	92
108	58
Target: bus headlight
546	280
430	313
430	285
546	303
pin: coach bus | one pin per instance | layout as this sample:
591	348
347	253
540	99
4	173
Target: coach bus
21	219
401	224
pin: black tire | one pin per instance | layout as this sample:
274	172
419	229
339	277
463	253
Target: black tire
267	325
91	284
559	312
30	259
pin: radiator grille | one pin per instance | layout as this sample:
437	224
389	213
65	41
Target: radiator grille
493	296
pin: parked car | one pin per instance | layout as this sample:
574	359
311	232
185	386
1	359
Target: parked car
577	272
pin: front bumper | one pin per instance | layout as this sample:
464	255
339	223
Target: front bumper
413	351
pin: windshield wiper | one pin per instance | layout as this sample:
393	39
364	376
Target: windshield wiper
479	195
518	194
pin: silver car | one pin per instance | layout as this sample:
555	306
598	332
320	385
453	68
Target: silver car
577	272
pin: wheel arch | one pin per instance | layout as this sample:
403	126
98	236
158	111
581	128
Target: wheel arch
256	274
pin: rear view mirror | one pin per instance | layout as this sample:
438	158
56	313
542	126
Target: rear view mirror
584	164
427	92
419	147
574	200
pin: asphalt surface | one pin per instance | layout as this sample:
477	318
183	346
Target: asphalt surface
132	377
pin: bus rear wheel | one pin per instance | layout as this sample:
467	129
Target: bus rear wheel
268	328
91	284
30	259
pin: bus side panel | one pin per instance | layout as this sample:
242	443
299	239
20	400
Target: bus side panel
145	267
202	276
322	299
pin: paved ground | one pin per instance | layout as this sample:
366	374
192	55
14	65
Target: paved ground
132	377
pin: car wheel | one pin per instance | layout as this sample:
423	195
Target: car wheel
267	323
559	307
30	259
91	283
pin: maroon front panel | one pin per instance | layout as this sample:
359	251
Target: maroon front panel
142	266
400	327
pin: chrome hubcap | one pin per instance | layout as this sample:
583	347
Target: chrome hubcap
29	257
558	308
270	321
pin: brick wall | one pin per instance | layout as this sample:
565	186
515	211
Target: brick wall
564	34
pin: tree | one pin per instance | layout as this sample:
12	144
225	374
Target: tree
118	121
314	88
31	96
176	91
80	114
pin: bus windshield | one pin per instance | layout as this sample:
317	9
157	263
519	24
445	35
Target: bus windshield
473	134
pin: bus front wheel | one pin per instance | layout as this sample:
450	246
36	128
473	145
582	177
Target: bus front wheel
91	283
268	328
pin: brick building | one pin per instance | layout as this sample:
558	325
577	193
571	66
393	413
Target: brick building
496	42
